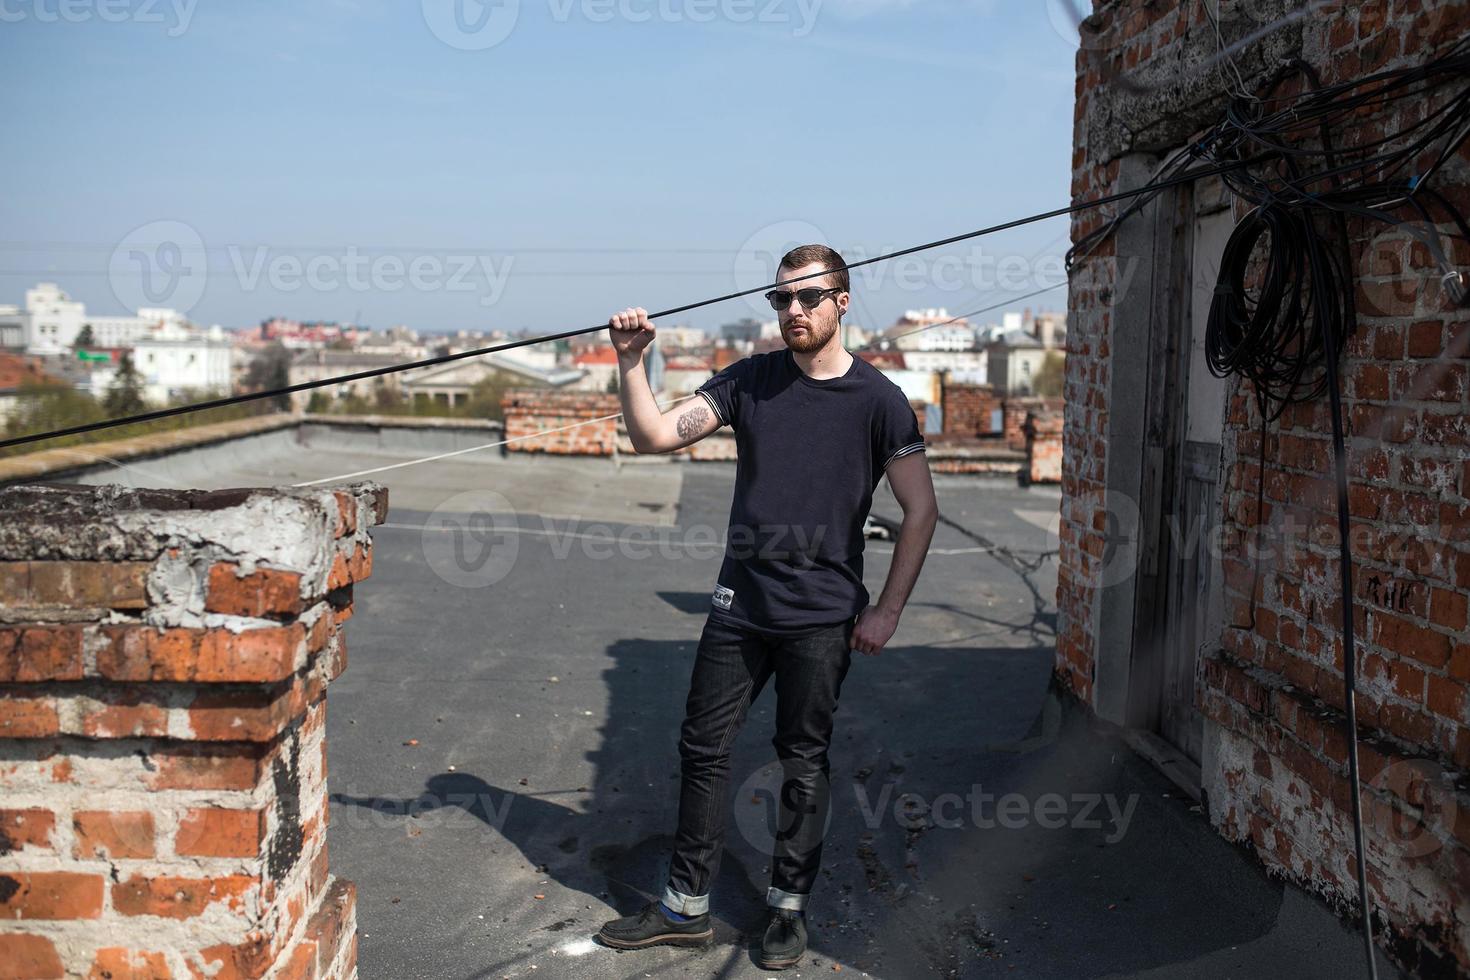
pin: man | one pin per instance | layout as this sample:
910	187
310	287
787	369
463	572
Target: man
815	431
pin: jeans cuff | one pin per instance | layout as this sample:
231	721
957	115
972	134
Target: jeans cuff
778	899
685	904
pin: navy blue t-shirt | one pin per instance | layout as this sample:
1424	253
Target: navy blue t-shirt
810	454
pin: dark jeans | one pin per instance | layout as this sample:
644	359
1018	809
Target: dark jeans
730	670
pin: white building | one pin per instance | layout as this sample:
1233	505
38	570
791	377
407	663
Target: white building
169	368
1015	358
921	330
968	366
52	319
682	336
150	323
12	328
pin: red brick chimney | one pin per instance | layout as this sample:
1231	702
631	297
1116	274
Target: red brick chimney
164	658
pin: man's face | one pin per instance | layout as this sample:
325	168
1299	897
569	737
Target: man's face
804	330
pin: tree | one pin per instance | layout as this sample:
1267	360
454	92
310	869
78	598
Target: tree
125	396
271	368
389	401
1051	376
613	383
84	338
484	398
45	405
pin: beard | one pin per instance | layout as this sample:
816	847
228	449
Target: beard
812	339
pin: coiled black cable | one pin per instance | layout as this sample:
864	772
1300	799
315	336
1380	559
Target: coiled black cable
1275	336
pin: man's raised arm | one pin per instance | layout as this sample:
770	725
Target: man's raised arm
650	429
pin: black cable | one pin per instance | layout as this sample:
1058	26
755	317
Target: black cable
1285	336
445	358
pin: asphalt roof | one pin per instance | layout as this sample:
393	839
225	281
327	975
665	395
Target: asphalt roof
503	749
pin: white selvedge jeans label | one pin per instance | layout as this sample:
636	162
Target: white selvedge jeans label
723	596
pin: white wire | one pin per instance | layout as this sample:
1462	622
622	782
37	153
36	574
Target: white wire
1212	16
471	449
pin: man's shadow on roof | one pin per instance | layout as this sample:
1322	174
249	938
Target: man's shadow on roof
612	838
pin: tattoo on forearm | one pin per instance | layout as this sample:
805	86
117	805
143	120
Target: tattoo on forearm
692	421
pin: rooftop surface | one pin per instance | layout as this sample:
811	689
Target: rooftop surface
503	747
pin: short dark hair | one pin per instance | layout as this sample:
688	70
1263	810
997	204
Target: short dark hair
807	254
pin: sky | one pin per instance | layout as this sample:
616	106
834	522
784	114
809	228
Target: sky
526	164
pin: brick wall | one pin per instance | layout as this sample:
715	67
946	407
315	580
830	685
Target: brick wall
1043	430
969	409
1275	754
532	410
1015	410
164	657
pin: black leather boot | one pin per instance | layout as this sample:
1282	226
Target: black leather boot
784	941
652	927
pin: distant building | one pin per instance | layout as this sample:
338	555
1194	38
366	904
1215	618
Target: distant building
931	330
682	336
18	376
970	366
744	331
150	323
12	328
885	360
53	320
314	365
1051	330
449	384
195	365
1014	360
600	364
685	372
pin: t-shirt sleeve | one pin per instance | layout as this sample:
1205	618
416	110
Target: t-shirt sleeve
897	429
723	392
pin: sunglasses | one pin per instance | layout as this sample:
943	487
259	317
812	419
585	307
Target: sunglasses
809	298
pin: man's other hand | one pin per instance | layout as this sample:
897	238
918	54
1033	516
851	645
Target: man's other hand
874	629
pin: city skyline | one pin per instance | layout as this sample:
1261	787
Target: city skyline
372	172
